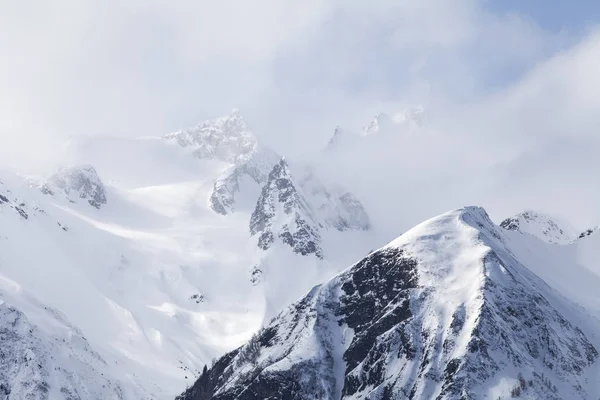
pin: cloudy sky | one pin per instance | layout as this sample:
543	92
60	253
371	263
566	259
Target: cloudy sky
511	88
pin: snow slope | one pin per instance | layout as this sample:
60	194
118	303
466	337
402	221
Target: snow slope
125	242
446	311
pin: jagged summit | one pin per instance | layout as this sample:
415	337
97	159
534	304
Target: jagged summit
540	225
282	213
77	182
226	138
227	188
443	312
382	122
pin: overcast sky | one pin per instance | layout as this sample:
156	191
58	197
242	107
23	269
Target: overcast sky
514	84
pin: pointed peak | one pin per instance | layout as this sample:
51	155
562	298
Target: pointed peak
281	169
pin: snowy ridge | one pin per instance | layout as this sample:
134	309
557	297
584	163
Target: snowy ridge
226	138
382	124
50	362
539	225
445	311
385	123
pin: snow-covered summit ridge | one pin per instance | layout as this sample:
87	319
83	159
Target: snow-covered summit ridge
541	226
445	311
77	182
226	138
383	122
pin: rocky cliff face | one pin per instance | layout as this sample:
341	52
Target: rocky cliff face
282	213
443	312
227	188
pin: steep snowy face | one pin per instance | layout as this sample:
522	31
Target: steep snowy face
334	206
445	312
229	187
539	225
9	200
282	213
226	138
383	122
49	362
77	182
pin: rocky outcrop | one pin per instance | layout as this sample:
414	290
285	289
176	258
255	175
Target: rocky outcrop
226	189
282	213
77	183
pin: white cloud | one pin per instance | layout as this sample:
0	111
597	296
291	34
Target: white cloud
496	87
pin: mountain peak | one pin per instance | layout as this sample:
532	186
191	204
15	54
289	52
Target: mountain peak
226	138
283	213
383	122
445	312
541	226
77	182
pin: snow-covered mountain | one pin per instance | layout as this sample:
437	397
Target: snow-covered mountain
382	124
237	187
123	279
541	226
50	360
149	275
227	138
446	311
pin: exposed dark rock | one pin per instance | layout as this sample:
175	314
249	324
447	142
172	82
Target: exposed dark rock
282	212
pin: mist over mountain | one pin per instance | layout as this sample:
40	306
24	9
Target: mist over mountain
299	200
